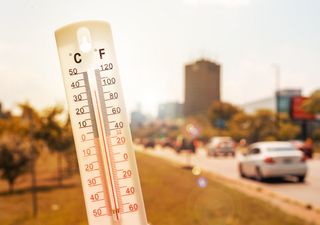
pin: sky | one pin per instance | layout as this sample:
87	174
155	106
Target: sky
155	39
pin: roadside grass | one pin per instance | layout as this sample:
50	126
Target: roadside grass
181	201
171	195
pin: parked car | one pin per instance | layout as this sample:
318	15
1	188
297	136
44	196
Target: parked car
273	159
221	146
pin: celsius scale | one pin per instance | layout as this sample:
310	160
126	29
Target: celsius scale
107	163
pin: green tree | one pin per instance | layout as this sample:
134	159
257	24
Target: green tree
13	160
312	105
221	112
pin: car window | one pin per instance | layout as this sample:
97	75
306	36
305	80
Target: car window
280	149
254	151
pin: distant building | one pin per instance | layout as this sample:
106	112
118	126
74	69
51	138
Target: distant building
137	117
170	110
202	86
264	103
284	97
271	103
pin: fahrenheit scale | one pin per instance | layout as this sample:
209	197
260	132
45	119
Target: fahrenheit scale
101	132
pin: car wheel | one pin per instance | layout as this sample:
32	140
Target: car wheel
259	176
241	171
301	178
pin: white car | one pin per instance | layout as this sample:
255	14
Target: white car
273	159
221	146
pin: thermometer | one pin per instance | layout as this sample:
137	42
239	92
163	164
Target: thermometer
107	163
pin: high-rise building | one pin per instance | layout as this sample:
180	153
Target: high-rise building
202	86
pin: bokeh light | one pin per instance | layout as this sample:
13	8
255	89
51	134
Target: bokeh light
196	171
193	130
202	182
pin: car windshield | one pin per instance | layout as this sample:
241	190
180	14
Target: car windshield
280	149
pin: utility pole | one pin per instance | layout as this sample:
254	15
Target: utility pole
277	93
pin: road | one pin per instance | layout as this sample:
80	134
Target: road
307	193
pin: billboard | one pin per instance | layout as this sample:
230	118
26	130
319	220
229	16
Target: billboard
297	112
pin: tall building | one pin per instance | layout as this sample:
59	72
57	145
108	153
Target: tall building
202	86
170	110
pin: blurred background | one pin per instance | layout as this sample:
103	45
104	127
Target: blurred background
228	90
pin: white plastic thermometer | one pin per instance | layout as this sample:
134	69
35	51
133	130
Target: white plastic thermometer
101	131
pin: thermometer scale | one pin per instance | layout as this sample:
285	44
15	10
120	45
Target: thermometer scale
100	128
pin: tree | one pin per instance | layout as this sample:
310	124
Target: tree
241	126
57	136
287	130
263	126
312	105
69	152
13	161
316	135
221	112
203	124
30	127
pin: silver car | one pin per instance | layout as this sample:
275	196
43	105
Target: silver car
221	146
273	159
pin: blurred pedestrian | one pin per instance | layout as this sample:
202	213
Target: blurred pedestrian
308	148
242	146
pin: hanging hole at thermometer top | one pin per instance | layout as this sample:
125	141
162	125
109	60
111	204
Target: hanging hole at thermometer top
84	39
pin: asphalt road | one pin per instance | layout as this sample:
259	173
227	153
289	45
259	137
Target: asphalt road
307	193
